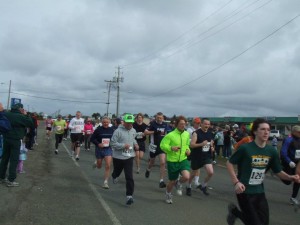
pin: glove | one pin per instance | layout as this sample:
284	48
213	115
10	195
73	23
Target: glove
292	164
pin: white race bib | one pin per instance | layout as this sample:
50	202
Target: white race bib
58	128
88	132
105	142
139	135
297	154
206	147
257	176
127	152
152	148
78	128
49	125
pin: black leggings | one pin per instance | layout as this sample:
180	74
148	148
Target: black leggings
254	209
127	165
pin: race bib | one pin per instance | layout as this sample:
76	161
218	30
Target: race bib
58	128
78	128
49	125
127	152
152	148
88	132
257	176
105	142
297	154
206	147
139	135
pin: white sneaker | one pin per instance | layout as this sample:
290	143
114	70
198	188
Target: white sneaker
169	198
178	188
294	201
77	157
105	185
12	184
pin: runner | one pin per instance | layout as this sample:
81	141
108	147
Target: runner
48	124
176	145
157	130
66	132
290	156
88	131
123	144
101	138
59	126
140	128
77	126
191	130
252	160
202	145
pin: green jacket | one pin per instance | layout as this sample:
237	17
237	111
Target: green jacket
19	123
176	138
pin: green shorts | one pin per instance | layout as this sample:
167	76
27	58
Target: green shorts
175	168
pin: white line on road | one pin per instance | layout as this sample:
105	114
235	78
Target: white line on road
108	210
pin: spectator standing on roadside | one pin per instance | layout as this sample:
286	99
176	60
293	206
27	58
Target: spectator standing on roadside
12	144
124	145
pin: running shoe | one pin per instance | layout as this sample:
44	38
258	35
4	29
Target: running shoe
147	174
204	190
105	185
188	191
294	201
56	151
230	216
4	181
178	188
12	184
169	198
162	184
77	157
129	200
115	180
138	170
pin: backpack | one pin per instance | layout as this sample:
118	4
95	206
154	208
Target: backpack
5	125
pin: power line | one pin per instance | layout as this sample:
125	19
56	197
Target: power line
232	58
57	99
179	37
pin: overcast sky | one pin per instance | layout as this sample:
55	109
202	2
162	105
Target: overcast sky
195	58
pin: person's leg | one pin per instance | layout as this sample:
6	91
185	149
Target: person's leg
137	160
209	173
262	209
5	158
14	159
118	167
107	160
162	165
86	142
128	170
56	141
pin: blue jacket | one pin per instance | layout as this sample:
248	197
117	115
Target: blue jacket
288	149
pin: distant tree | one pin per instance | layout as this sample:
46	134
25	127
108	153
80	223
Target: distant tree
146	115
96	115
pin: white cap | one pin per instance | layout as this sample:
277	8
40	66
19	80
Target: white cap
235	126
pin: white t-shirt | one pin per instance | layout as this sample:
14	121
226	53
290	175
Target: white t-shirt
76	125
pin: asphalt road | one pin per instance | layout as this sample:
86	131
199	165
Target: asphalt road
56	189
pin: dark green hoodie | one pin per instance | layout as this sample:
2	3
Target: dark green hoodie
19	123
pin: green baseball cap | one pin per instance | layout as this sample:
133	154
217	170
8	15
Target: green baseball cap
128	118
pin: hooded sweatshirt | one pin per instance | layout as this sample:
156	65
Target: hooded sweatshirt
121	137
18	123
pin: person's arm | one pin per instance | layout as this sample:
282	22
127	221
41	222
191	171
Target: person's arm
114	142
194	140
238	186
284	176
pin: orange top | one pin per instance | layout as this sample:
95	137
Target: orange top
244	140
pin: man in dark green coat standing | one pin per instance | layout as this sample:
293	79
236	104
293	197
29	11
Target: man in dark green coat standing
12	143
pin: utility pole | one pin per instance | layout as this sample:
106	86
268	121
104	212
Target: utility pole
109	82
117	80
8	98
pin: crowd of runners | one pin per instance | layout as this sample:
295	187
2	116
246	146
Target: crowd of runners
182	152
